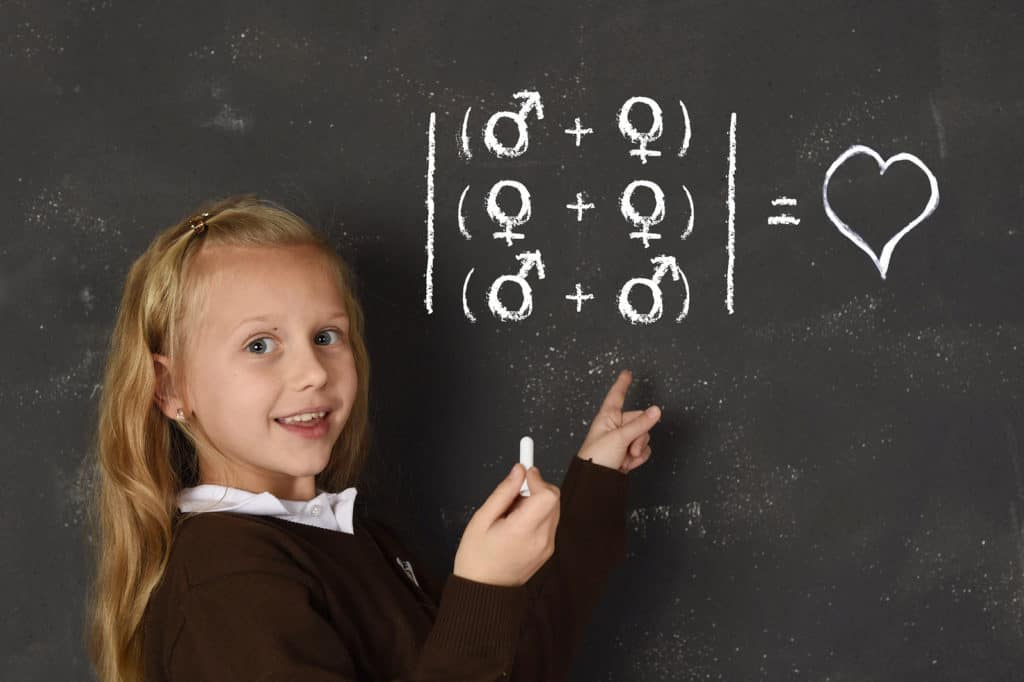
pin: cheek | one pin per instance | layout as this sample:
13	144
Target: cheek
346	379
345	367
233	391
252	388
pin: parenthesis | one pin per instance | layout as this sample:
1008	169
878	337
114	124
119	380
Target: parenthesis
465	301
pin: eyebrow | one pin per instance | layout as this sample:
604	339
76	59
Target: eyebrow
266	318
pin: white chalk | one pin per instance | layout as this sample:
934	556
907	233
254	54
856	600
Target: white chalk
526	459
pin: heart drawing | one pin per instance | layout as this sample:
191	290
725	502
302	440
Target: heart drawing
933	201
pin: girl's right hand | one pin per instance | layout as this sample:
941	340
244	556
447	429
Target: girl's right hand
500	548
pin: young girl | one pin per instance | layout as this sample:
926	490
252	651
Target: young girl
232	428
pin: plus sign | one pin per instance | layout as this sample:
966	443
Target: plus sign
579	297
578	131
579	206
643	152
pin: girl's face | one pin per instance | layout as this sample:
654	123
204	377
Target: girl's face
244	373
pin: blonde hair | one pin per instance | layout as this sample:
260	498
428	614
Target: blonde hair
142	458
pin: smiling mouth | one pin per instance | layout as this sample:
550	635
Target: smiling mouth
310	422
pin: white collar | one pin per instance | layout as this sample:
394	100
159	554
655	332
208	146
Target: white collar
209	497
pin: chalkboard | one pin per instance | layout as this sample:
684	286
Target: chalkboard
798	223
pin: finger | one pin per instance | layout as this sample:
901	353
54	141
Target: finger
639	426
637	446
527	511
634	462
616	396
599	426
501	500
540	483
630	415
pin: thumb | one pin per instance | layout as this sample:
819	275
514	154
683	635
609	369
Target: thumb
503	496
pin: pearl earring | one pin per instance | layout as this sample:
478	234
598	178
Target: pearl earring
181	414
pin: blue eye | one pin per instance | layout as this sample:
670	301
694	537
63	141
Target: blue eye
326	331
262	339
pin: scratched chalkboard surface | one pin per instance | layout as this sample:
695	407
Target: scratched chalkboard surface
798	223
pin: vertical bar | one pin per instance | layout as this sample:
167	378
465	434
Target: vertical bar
429	276
732	215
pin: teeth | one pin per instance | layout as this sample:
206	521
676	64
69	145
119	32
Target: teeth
300	418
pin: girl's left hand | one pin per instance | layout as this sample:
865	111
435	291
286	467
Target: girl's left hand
617	439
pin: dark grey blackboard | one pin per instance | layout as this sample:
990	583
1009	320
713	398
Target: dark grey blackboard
837	487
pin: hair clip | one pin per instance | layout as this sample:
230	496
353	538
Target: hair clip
198	223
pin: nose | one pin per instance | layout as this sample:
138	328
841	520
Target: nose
307	369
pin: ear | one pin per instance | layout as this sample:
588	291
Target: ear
164	396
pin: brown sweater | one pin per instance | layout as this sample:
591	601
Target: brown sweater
266	599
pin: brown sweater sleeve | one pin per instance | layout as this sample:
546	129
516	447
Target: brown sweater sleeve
589	543
556	603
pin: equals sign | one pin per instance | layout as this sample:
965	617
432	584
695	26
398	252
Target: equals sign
783	218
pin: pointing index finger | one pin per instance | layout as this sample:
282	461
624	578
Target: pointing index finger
617	393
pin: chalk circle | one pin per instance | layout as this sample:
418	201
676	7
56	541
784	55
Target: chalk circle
629	211
498	215
629	312
882	263
498	308
629	130
498	148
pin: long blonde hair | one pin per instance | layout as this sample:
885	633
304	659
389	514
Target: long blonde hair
142	459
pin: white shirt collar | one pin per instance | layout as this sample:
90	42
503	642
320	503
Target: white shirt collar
327	510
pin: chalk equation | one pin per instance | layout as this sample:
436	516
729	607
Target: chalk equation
665	269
